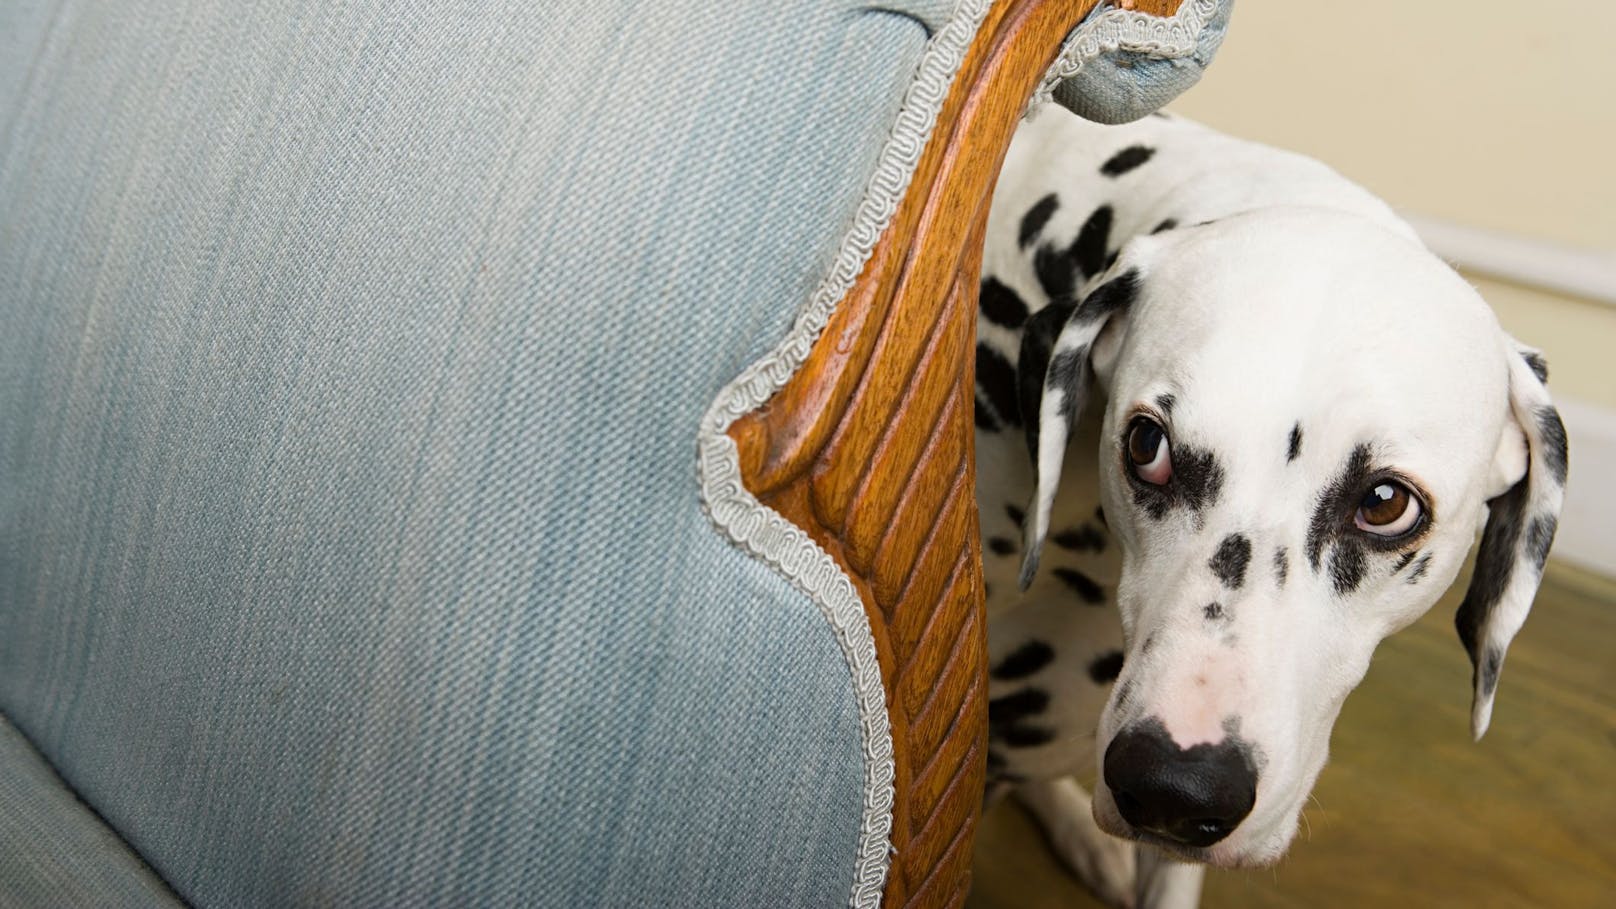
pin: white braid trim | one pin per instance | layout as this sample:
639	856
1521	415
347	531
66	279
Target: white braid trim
1120	29
766	534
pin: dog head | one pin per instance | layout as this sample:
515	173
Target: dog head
1307	419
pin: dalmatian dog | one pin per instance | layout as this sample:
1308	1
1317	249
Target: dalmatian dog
1235	426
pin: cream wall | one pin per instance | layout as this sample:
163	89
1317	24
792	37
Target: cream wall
1500	115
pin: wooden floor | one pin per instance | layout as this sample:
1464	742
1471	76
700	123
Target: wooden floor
1409	812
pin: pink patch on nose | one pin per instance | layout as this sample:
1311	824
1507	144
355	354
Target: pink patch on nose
1194	702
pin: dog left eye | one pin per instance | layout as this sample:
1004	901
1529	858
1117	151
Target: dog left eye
1388	509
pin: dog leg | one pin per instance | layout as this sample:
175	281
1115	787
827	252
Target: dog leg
1163	883
1065	811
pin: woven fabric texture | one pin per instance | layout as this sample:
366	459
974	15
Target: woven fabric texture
1120	65
350	545
54	851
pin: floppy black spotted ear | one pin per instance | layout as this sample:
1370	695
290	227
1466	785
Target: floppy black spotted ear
1053	375
1515	541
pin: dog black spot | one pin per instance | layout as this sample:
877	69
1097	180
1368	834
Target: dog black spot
1347	565
1166	225
1197	476
1166	402
1068	370
1126	160
1536	363
1490	669
1015	514
1035	219
1024	661
1081	584
1008	715
1403	562
1032	365
1064	374
1114	295
1001	546
1088	251
1054	270
1212	611
1150	641
1539	537
1017	707
998	773
1295	447
984	416
1059	270
1001	305
997	379
1086	538
1495	563
1282	565
1106	667
1349	557
1124	695
1338	500
1229	562
1197	482
1419	569
1154	503
1554	442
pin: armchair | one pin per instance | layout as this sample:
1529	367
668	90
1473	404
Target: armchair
503	453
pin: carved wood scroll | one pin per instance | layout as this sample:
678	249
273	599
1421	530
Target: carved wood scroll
868	448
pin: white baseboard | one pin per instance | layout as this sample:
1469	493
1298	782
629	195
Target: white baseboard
1587	536
1585	274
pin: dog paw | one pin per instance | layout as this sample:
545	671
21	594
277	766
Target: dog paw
1105	864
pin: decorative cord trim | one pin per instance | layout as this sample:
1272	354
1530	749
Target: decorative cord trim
1116	29
764	532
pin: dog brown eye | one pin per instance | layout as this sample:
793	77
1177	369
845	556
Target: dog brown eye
1388	509
1151	456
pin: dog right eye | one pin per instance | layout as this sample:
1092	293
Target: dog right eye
1388	509
1148	451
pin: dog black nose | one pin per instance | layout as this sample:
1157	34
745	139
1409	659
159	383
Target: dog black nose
1194	796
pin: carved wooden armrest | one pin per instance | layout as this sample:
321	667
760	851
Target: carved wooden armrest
869	448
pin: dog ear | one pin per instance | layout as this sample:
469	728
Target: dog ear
1053	376
1520	527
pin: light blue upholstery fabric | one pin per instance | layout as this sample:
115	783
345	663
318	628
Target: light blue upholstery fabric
351	364
1122	85
54	851
22	24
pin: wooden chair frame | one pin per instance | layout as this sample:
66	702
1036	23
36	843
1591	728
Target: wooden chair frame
869	449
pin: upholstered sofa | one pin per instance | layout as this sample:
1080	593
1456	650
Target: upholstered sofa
505	453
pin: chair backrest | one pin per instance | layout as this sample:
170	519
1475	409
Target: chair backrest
351	361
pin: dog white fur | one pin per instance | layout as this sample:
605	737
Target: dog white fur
1305	365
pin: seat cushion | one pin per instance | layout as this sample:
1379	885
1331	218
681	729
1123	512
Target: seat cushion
351	550
54	851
